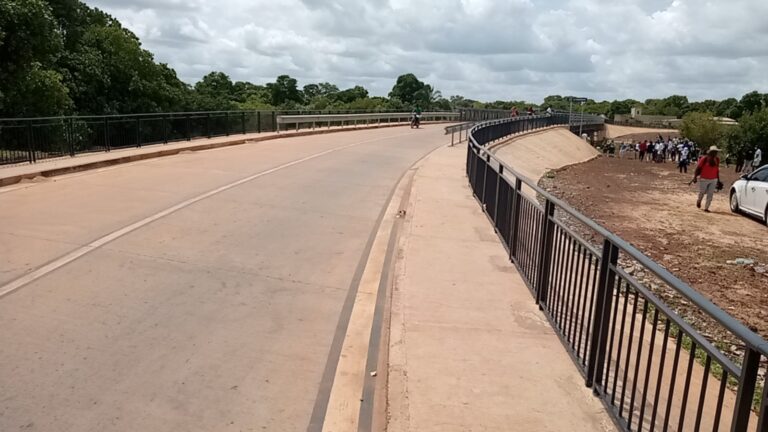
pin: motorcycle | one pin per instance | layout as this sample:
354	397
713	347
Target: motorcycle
415	121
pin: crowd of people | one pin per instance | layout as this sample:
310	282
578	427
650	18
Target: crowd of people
514	112
679	150
684	151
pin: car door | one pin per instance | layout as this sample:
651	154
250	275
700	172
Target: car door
758	189
752	183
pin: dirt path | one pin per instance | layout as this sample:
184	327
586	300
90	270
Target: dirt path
653	207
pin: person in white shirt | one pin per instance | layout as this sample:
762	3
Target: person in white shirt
671	150
751	165
683	161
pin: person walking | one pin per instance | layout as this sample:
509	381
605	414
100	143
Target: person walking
683	161
643	150
708	169
756	159
742	157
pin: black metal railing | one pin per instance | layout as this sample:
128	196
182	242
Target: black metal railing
28	140
650	367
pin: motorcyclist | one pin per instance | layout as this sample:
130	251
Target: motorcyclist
416	117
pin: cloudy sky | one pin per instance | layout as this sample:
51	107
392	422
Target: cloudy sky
480	49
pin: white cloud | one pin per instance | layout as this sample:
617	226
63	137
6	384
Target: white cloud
481	49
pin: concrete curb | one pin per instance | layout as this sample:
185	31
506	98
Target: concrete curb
161	152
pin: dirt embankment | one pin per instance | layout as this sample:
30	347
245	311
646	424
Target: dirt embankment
653	207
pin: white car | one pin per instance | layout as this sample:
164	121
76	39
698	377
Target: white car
749	194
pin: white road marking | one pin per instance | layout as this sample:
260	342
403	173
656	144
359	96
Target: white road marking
79	252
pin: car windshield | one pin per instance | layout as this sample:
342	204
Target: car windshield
760	175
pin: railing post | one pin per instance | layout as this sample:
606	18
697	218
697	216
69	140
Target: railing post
746	392
514	219
30	143
208	125
545	254
187	131
602	313
762	421
70	138
138	132
166	128
486	167
274	118
106	134
496	200
226	122
242	122
258	121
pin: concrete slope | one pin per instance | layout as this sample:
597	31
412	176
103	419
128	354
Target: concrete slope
617	131
532	155
197	292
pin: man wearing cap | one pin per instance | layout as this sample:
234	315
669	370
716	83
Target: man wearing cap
708	169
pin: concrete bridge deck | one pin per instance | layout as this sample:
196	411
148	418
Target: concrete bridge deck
235	289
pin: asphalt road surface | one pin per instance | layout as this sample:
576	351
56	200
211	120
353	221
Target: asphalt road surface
199	292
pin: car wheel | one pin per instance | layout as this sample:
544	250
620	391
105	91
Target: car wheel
765	216
734	202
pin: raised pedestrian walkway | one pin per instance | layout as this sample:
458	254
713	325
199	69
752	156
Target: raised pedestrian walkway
469	349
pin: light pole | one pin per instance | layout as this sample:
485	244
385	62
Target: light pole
580	100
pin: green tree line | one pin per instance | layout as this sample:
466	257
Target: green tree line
62	57
739	141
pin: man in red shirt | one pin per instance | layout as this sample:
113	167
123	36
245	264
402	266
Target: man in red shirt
708	169
643	149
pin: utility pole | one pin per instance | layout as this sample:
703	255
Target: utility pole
581	123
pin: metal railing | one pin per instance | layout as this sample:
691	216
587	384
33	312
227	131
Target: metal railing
28	140
478	115
462	129
651	368
327	120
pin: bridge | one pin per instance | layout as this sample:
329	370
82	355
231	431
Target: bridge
369	278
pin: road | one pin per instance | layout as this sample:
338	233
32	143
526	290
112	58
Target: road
197	292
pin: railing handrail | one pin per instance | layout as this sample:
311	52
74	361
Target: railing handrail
292	118
731	324
185	113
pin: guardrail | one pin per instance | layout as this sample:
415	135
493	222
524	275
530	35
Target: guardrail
313	121
651	368
461	129
27	140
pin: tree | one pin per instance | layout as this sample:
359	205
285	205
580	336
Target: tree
30	43
754	130
409	90
243	90
216	85
311	91
728	108
702	129
350	95
751	102
40	92
327	89
284	90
